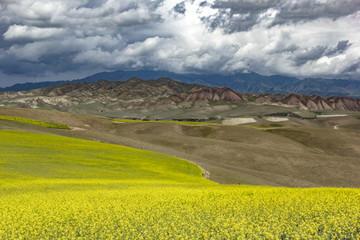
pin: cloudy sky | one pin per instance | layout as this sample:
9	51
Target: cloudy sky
66	39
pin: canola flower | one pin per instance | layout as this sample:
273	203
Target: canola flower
152	211
111	198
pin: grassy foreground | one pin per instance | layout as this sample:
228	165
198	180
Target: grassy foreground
64	188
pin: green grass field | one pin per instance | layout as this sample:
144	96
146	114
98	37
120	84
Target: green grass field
35	122
55	187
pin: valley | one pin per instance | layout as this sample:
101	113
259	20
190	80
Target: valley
166	160
60	187
293	153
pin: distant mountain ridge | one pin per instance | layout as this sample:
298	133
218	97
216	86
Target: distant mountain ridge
137	93
240	82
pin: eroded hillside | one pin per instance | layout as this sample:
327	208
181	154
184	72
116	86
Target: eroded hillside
165	98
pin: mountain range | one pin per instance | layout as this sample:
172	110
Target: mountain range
240	82
161	94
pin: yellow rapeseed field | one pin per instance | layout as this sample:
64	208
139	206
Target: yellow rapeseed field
62	188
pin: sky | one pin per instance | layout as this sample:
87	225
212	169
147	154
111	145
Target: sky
46	40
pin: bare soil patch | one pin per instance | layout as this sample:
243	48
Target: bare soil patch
234	121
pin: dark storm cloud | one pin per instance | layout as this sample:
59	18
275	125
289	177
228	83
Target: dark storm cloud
294	11
226	20
310	55
180	8
245	6
321	51
292	48
341	47
242	15
39	36
46	14
234	16
204	4
353	68
94	4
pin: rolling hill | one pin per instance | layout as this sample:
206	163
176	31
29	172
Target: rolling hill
296	153
30	156
61	183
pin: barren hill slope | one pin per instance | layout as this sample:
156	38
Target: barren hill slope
305	153
313	102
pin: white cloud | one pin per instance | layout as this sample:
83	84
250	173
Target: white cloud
267	37
18	32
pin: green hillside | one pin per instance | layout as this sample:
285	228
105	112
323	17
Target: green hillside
38	156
